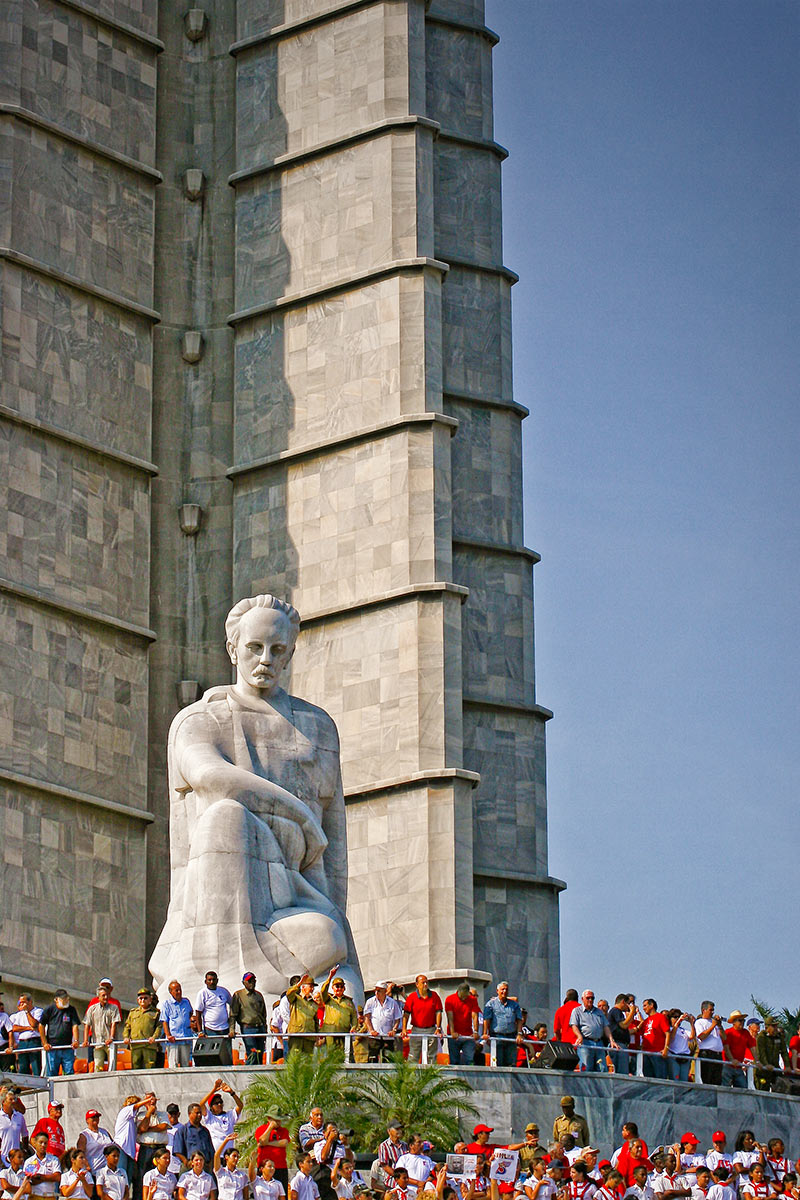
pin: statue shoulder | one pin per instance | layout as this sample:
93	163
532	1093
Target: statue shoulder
315	722
211	708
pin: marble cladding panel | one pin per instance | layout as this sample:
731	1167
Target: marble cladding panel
78	214
74	361
320	221
487	473
142	15
476	333
75	882
516	936
380	672
89	79
74	703
322	83
336	366
459	81
468	204
339	529
509	806
406	903
497	625
74	525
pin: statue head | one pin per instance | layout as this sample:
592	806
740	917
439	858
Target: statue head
261	636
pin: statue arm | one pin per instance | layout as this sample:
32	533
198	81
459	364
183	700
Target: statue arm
334	823
213	777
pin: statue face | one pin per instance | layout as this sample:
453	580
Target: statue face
264	648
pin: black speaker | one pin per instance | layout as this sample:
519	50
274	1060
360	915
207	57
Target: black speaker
212	1050
557	1056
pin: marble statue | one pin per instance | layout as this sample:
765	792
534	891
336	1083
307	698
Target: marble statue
258	844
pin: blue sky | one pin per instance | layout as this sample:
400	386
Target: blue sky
651	210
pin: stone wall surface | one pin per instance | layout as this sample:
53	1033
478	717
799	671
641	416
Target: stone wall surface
506	1099
260	270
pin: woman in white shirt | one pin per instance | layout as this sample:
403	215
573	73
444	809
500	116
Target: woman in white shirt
159	1183
679	1052
78	1182
232	1182
263	1184
196	1183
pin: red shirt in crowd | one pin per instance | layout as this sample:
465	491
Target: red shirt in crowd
55	1134
423	1009
460	1013
562	1030
740	1041
654	1031
794	1044
276	1153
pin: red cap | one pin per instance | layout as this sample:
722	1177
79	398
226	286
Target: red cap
93	1113
482	1129
719	1136
689	1137
605	1162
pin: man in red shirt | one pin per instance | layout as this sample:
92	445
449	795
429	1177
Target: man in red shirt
655	1031
738	1041
462	1011
51	1125
423	1009
562	1030
272	1140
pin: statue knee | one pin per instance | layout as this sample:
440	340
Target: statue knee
222	827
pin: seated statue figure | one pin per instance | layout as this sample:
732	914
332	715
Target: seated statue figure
258	844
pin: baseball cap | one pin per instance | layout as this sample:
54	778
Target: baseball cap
247	975
105	979
718	1136
93	1112
690	1138
482	1129
55	1104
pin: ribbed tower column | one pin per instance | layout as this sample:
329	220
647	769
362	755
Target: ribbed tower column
377	469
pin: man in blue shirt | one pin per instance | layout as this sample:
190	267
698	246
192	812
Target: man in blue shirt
502	1018
191	1137
176	1014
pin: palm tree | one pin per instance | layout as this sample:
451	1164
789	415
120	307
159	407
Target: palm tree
788	1019
423	1099
290	1093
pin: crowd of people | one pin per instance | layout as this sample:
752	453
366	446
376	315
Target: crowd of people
149	1153
662	1043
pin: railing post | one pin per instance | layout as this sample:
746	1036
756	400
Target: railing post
640	1063
493	1052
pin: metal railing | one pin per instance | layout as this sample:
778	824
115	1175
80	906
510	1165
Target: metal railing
430	1047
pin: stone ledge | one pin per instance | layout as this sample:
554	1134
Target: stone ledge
331	445
484	269
74	439
28	117
34	596
403	782
136	35
463	139
80	285
527	878
67	793
533	710
288	28
498	548
380	601
344	284
434	18
364	134
486	401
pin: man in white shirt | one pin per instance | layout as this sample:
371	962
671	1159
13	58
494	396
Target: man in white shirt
24	1036
382	1016
212	1010
418	1165
302	1186
710	1039
220	1124
12	1127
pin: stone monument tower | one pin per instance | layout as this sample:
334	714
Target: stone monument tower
256	338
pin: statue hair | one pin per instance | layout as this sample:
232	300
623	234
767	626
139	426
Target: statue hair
234	617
